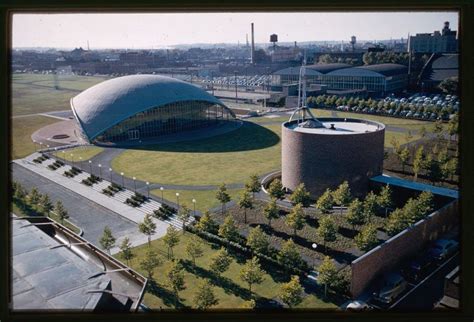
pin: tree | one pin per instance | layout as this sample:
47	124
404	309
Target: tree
327	273
251	273
223	196
327	230
291	292
296	218
326	59
147	227
19	192
384	199
288	256
412	212
46	204
271	211
206	223
126	249
220	262
370	205
425	203
433	169
194	249
253	185
61	211
419	161
408	136
452	167
367	238
228	230
107	241
422	132
404	156
175	274
184	214
300	196
453	127
245	202
150	262
450	85
438	129
355	215
257	240
34	196
205	297
250	304
342	195
275	189
396	222
171	239
325	202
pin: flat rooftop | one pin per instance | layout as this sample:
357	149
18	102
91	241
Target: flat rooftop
337	127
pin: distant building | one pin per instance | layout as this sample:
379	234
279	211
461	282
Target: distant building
439	68
376	79
437	42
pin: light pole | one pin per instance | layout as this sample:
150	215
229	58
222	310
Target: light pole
90	166
72	159
110	171
100	170
134	185
80	161
235	80
123	185
148	189
161	188
194	205
41	145
177	199
36	148
64	154
314	245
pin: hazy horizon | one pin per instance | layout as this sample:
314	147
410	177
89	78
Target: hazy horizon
161	30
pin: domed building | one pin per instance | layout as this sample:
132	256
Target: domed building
145	107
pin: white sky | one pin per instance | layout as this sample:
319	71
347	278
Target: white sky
161	30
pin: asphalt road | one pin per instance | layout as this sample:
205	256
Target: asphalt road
429	292
88	215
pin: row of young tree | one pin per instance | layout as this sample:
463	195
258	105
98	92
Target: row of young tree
41	203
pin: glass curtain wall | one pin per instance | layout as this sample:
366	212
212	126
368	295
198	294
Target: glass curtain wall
167	119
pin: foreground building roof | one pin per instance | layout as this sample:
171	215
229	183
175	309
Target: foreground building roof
108	103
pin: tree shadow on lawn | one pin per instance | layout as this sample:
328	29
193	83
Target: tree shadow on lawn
347	232
168	297
250	136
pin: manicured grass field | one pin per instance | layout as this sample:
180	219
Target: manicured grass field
231	291
22	129
35	93
228	158
84	152
205	199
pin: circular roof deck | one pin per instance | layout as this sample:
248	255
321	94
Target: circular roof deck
337	126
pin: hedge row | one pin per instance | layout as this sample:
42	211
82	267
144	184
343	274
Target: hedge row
73	172
91	180
164	212
41	158
57	164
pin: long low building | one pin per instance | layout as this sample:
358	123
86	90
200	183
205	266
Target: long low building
378	79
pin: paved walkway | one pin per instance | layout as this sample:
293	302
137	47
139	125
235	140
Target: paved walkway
115	204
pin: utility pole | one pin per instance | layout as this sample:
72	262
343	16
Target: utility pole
235	80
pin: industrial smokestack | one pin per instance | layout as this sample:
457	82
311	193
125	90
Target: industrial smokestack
252	53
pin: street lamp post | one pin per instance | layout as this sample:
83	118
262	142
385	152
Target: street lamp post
177	199
161	188
314	245
194	205
100	170
72	159
235	80
110	171
80	162
36	148
64	154
134	185
90	166
123	185
148	189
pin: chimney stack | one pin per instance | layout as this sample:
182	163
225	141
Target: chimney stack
252	53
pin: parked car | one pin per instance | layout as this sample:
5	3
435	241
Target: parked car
358	306
418	268
442	249
394	285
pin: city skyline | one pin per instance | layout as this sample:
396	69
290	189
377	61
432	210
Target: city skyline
101	31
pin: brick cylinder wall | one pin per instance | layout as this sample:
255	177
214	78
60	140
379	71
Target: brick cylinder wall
324	160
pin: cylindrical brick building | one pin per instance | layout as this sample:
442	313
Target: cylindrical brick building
334	151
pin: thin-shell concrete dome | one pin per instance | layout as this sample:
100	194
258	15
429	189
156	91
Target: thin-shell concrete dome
143	107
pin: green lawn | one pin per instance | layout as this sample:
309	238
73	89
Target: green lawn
84	152
22	129
232	292
205	199
35	93
228	158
